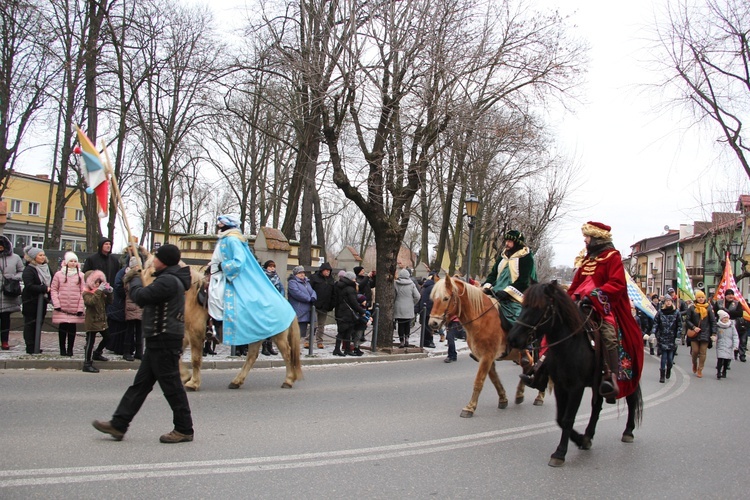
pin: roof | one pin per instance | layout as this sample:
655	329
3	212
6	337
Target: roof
275	239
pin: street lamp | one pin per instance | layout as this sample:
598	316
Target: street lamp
471	204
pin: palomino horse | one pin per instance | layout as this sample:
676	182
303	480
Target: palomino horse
196	317
549	312
484	334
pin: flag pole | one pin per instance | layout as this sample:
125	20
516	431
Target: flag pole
118	202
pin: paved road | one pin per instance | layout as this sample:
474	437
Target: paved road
375	430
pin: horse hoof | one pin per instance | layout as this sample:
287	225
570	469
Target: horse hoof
502	405
539	401
519	400
190	388
585	443
627	438
466	414
286	385
234	386
556	462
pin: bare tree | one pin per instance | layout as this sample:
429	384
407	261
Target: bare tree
25	73
707	51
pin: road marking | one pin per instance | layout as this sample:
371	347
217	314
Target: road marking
71	475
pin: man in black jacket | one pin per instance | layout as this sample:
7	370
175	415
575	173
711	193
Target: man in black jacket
163	303
322	283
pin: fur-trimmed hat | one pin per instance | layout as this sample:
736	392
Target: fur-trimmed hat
597	230
168	254
515	236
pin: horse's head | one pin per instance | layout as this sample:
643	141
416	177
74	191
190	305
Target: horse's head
445	303
546	307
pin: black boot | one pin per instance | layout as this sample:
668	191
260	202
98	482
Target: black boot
536	377
271	350
264	349
63	352
88	365
608	388
661	376
669	370
337	349
345	347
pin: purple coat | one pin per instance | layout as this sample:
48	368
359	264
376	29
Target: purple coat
66	291
301	297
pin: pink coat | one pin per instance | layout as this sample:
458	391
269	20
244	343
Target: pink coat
66	291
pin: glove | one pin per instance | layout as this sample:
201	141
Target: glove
108	289
79	313
102	287
502	295
134	262
487	288
136	271
586	301
58	309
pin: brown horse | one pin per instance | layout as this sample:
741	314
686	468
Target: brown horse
485	336
196	318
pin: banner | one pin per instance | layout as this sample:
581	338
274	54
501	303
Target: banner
638	298
684	285
94	172
727	282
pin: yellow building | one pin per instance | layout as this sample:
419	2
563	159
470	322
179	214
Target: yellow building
27	200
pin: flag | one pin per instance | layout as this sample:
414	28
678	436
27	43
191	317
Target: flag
94	173
683	280
727	282
638	298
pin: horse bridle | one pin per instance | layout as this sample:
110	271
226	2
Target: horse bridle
463	323
549	317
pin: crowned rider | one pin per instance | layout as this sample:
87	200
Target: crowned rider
511	275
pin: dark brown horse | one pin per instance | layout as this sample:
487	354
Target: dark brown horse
571	362
485	336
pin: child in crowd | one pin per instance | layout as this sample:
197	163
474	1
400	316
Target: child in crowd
667	328
269	267
726	341
66	292
96	295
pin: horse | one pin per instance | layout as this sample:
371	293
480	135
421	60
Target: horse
485	336
196	319
571	362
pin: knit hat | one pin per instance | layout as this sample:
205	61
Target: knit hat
168	254
723	314
229	220
350	275
667	298
68	257
361	298
268	263
358	270
729	292
515	236
342	273
670	290
699	294
32	252
597	230
297	270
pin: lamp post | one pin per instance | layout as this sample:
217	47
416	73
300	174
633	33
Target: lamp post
471	204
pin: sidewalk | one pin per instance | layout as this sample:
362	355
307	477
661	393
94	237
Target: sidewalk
16	357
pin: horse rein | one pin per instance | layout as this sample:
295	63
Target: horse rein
458	310
544	319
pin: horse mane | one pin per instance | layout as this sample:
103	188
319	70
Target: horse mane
474	294
540	295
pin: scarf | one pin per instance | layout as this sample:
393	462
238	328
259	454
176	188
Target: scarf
43	271
702	309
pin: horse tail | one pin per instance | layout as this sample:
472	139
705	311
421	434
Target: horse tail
294	349
638	406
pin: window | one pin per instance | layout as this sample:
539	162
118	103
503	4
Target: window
15	206
33	208
37	241
79	215
22	240
199	245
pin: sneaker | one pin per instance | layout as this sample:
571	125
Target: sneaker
108	428
128	357
98	357
90	369
176	437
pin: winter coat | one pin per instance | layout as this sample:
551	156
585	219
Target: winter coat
407	296
163	303
323	287
727	340
32	289
108	264
11	267
66	292
276	280
735	311
707	324
301	296
667	327
96	302
425	302
364	287
348	309
132	311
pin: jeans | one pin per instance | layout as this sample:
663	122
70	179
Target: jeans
667	358
163	366
451	338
